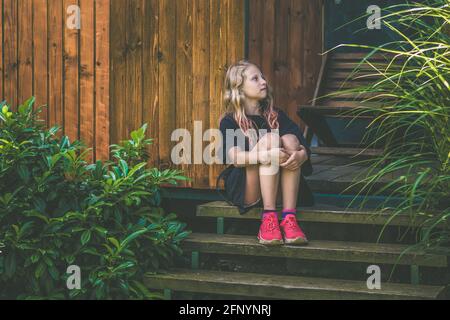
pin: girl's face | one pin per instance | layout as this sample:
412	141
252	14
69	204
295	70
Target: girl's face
255	85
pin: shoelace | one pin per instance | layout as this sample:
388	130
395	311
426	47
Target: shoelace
268	223
292	223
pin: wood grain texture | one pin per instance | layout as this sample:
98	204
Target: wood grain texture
200	69
25	50
10	62
71	76
167	80
150	69
102	79
87	76
55	31
40	57
184	85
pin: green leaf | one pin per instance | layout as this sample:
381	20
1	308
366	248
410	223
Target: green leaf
39	270
114	242
85	237
131	237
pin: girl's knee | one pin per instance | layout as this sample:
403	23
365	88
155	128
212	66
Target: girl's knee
290	142
269	141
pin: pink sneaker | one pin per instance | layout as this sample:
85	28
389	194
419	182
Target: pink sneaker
293	234
269	232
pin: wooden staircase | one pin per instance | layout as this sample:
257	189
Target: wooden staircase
340	72
230	263
199	279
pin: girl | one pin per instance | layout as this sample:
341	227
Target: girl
249	102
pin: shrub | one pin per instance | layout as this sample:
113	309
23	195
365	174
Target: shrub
57	210
413	116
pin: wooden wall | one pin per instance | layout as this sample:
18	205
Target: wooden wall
285	39
160	62
66	69
168	62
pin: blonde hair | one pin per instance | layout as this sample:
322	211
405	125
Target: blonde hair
234	98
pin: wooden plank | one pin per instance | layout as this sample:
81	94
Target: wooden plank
357	95
87	75
133	87
316	250
296	56
346	84
360	56
167	80
318	213
102	76
236	30
71	78
255	36
284	287
311	59
347	151
10	74
373	66
341	110
268	39
349	103
184	85
150	69
218	64
118	70
318	158
55	63
363	75
334	172
40	57
25	50
201	82
281	63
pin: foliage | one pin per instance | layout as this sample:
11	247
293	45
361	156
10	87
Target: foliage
57	210
412	118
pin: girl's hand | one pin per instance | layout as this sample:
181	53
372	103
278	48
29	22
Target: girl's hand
279	155
267	157
296	159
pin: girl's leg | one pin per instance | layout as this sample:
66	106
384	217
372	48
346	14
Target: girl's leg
258	182
290	179
268	177
252	189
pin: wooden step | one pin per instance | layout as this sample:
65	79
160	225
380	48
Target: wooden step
361	55
350	104
333	111
315	250
336	94
365	75
317	213
374	66
347	151
346	84
283	287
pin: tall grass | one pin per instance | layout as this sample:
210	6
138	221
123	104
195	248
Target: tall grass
411	118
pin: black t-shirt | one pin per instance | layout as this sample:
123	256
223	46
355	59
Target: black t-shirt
286	126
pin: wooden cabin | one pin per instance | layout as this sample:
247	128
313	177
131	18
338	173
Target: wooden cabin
160	62
163	62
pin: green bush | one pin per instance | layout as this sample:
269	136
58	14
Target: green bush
57	210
